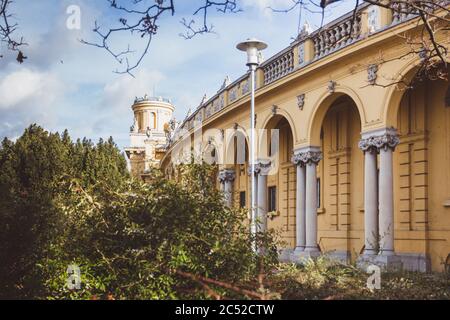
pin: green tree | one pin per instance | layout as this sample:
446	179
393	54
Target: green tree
31	172
156	241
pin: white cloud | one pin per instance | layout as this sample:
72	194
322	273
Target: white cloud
19	87
265	6
118	94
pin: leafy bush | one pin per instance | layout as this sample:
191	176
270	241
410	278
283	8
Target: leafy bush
327	279
65	203
140	240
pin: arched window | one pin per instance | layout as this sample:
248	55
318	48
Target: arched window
152	120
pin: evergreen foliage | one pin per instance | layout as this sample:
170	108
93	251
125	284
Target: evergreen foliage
65	203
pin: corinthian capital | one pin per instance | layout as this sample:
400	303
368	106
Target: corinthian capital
297	159
307	155
367	145
226	176
384	139
262	167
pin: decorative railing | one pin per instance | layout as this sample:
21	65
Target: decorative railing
146	98
337	37
279	67
402	12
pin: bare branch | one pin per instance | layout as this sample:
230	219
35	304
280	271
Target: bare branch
227	6
7	29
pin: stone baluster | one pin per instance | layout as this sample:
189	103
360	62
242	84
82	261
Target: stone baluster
316	48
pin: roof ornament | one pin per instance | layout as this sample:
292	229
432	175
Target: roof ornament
304	32
226	83
204	99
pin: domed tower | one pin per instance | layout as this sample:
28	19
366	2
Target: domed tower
149	134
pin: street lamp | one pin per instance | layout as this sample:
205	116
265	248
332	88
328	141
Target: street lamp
252	47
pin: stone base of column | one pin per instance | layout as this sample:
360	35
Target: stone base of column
339	256
296	253
284	255
300	257
415	262
386	262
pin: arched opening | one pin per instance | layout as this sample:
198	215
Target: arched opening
152	120
422	174
281	186
340	177
210	154
237	158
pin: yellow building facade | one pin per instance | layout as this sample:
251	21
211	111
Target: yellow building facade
362	168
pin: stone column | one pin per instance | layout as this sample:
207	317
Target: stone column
383	141
262	169
261	202
300	204
386	145
226	179
311	159
370	196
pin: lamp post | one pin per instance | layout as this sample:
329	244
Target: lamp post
252	48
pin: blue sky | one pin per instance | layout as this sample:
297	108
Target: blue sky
65	84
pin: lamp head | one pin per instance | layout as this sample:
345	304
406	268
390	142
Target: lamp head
252	47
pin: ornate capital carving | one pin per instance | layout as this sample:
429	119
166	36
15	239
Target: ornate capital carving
226	176
297	159
389	139
307	157
367	145
262	167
